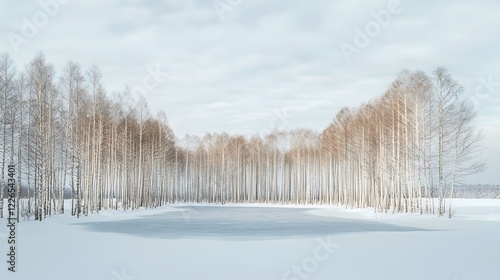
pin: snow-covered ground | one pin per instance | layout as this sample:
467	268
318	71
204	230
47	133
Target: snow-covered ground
260	242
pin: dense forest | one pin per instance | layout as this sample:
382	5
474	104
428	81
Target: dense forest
402	152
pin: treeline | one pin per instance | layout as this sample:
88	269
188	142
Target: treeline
479	191
397	153
64	131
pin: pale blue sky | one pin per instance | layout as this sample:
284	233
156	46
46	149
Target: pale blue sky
247	66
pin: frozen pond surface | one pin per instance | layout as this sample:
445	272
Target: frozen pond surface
248	242
250	223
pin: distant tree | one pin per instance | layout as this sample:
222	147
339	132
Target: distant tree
7	111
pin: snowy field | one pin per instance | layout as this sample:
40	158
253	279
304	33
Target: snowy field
260	242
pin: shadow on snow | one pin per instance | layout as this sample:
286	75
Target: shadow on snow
240	223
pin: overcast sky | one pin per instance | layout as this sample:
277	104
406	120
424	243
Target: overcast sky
245	67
